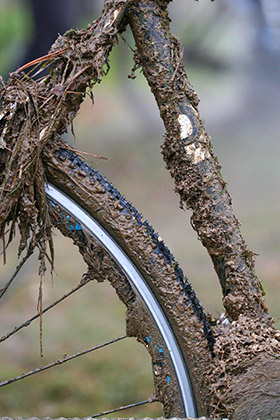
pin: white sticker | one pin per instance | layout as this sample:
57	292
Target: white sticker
185	125
197	153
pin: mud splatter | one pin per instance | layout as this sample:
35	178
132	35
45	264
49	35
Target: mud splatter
244	377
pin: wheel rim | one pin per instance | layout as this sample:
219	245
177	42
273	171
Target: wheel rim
138	282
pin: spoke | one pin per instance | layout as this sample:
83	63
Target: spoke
125	407
17	270
28	322
60	361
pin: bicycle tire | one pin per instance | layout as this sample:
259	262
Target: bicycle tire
99	200
79	220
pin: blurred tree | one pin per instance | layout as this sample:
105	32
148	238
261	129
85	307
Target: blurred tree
51	17
265	16
270	34
29	27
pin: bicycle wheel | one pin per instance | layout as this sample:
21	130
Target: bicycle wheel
163	300
163	312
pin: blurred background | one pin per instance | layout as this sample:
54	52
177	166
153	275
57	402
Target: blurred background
232	57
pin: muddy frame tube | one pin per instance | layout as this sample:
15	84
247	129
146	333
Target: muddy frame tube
189	157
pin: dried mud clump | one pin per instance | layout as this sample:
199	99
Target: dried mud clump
245	377
21	170
35	113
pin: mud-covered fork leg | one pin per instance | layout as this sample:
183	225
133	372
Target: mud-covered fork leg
187	151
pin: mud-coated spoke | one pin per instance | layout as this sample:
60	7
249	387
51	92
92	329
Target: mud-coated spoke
125	407
60	361
28	322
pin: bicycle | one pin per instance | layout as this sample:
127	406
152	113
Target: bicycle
86	207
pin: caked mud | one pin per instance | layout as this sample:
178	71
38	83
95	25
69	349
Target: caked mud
34	113
244	378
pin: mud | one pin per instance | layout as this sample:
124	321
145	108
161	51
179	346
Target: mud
244	378
188	154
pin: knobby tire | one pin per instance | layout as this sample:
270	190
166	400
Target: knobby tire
116	242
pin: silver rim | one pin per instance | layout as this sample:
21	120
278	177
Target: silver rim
139	283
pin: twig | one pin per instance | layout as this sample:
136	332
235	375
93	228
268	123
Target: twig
43	58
